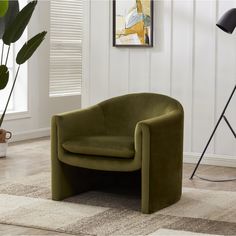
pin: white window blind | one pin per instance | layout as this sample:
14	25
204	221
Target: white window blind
65	47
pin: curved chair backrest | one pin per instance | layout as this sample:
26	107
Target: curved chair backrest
124	112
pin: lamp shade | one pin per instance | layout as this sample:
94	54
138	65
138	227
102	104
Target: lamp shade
228	21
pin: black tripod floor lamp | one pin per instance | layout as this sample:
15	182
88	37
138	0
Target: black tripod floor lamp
227	23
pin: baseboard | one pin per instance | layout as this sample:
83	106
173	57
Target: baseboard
32	134
211	159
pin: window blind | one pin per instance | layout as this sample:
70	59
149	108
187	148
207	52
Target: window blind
65	47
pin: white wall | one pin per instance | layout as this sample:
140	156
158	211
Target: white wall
191	60
41	106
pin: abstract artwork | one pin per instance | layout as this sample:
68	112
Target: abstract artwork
133	23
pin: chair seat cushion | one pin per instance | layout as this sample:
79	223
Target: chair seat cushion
111	146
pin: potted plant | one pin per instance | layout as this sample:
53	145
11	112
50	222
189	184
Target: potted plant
12	25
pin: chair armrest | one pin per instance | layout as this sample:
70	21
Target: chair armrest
163	137
172	118
162	158
88	121
66	179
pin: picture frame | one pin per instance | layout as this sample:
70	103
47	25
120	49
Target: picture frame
133	23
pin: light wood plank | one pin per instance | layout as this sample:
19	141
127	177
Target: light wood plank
20	230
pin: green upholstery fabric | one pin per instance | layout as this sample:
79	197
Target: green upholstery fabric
111	146
154	122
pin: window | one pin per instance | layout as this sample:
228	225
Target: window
18	102
65	47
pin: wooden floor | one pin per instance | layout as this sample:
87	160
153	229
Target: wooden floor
32	157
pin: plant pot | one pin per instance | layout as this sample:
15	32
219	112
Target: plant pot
4	137
3	149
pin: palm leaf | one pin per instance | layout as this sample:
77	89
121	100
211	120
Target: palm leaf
3	7
18	25
29	48
10	15
4	76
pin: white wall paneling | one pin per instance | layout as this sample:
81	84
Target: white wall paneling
139	70
161	53
119	66
191	60
182	44
99	51
225	80
203	103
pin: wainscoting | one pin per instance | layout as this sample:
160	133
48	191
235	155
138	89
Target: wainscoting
191	60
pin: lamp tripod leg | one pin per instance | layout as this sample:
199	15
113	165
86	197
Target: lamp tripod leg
230	127
209	141
217	124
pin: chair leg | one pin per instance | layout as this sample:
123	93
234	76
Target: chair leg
159	190
162	160
145	206
155	198
68	180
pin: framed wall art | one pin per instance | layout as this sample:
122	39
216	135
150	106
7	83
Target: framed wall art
133	23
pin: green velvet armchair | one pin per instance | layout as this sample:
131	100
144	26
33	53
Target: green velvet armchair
135	132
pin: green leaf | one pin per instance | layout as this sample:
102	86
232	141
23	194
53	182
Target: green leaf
29	48
18	25
13	9
3	7
4	76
